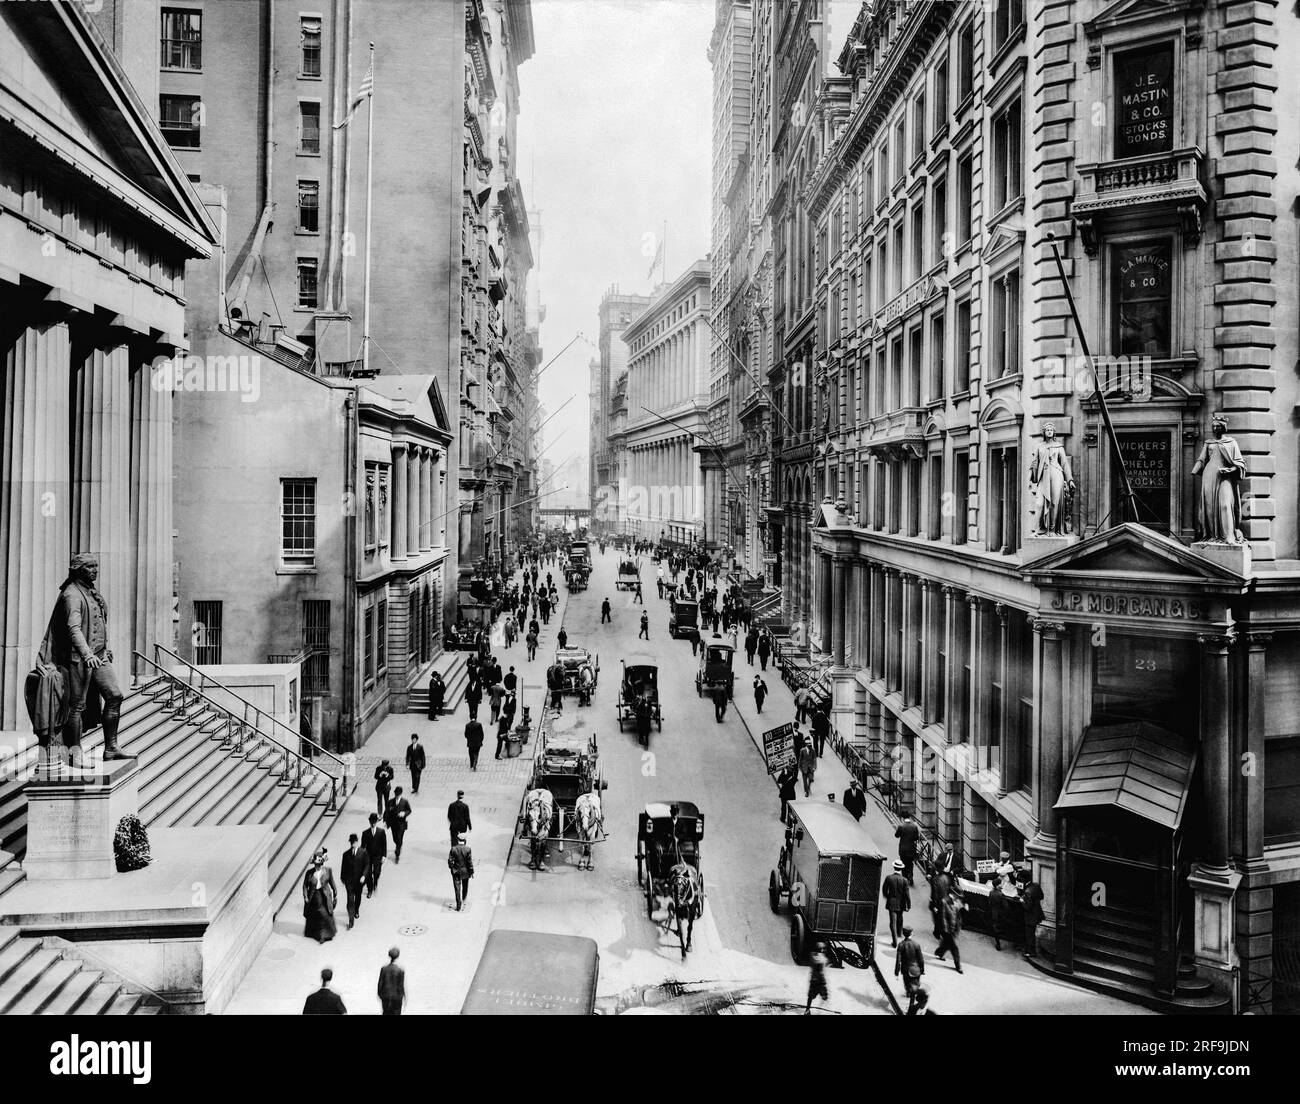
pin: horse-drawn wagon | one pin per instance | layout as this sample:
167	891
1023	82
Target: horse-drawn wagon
668	864
716	669
638	699
629	575
577	670
576	576
563	803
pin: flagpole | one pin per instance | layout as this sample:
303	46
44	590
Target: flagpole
370	164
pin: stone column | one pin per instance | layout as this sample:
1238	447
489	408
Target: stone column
951	703
1010	699
838	567
101	484
151	511
400	502
407	492
34	508
907	656
1049	728
426	500
930	615
977	691
1216	746
893	582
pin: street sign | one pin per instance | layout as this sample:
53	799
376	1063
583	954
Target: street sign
778	748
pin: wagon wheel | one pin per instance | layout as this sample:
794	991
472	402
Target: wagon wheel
659	720
639	858
798	939
699	904
649	894
699	687
774	892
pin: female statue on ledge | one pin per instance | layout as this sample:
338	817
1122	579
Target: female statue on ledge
1051	475
1221	468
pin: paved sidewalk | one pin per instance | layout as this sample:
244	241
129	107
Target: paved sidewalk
414	907
993	982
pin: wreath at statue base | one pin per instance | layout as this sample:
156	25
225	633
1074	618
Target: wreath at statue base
131	845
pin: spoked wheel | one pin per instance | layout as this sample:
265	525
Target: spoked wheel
640	873
798	939
649	896
774	892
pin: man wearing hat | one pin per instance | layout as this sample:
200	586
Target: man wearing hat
384	775
352	871
854	799
460	861
399	813
909	963
76	645
898	899
458	819
392	985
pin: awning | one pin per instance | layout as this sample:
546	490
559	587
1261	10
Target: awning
1137	767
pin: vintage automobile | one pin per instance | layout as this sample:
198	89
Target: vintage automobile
829	870
716	669
683	616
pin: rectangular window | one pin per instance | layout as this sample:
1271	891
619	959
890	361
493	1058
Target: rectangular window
1003	533
1008	17
896	373
179	118
207	632
1281	789
307	283
308	127
898	257
182	39
316	643
882	266
934	498
1007	174
918	125
960	491
900	149
941	94
878	385
381	639
1005	337
918	240
966	62
937	337
965	198
868	288
939	203
1144	94
878	512
1142	298
915	468
869	197
882	175
309	37
368	643
912	388
298	522
853	302
1148	460
309	206
961	353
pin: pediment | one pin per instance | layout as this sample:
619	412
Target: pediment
74	98
1126	12
1005	237
1130	549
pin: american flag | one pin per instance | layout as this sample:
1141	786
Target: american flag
366	90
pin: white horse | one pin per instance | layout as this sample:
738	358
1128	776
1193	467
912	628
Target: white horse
539	808
591	822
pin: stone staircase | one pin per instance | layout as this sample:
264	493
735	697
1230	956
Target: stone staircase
455	676
196	768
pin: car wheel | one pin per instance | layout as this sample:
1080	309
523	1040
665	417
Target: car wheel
798	939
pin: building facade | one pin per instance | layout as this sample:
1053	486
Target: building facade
97	227
668	348
607	461
1046	664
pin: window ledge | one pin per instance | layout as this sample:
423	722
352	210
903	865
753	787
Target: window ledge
307	77
308	153
179	69
1012	207
297	569
306	233
939	136
964	105
1014	38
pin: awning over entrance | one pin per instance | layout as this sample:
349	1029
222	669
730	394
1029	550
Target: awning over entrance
1138	767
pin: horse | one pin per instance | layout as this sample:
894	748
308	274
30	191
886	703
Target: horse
687	887
590	819
539	807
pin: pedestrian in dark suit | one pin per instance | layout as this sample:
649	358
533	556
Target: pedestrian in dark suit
854	799
821	728
938	892
909	963
324	1002
531	641
1031	900
384	775
760	692
437	692
460	861
907	833
415	761
764	650
751	645
508	706
375	842
474	742
604	612
510	681
473	699
898	900
952	910
352	873
786	782
399	813
392	985
503	730
719	703
999	913
458	820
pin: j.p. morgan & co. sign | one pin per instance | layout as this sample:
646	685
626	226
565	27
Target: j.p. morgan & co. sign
1105	603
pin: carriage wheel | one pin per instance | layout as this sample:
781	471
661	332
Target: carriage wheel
798	939
649	895
699	904
640	876
699	689
774	892
659	721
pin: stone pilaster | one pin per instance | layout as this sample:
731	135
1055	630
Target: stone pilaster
401	507
151	511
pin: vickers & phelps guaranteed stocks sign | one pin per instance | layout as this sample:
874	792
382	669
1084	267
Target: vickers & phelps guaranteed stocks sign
1144	93
778	748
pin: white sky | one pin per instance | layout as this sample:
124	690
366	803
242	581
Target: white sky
614	140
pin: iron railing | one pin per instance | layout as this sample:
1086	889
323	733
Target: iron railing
242	729
66	948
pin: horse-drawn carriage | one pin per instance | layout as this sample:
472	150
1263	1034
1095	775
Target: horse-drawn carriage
563	799
829	868
578	672
629	575
716	669
638	699
576	576
668	864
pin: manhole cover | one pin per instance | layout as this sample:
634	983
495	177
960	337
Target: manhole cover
412	929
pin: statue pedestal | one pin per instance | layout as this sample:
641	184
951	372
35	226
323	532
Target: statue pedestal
72	814
1036	545
1235	557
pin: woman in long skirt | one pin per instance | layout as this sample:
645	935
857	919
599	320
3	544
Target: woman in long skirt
318	897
